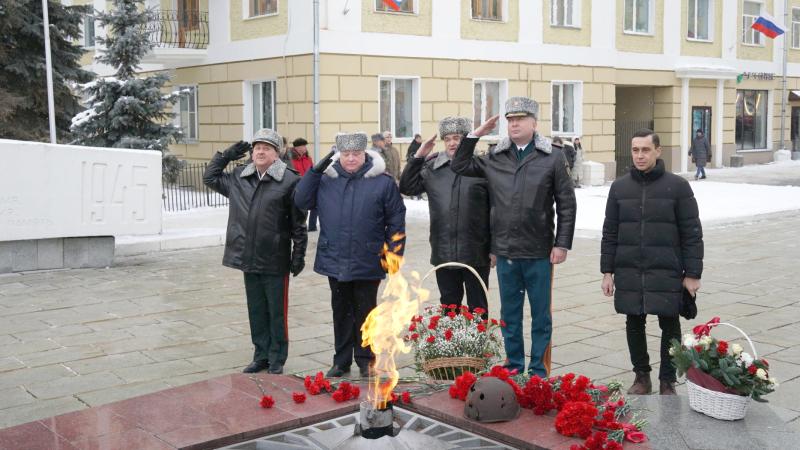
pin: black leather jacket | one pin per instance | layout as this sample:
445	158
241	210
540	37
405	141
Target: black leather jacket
263	221
459	210
522	196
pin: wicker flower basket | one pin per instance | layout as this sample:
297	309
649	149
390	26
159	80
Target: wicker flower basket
720	405
443	369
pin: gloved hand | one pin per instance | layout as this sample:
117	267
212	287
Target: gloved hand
297	267
237	150
323	163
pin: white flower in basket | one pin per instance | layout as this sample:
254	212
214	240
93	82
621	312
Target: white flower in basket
721	378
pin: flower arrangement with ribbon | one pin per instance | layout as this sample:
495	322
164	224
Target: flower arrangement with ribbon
597	413
720	366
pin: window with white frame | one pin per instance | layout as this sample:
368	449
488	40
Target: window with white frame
261	105
795	27
487	9
399	106
700	22
638	16
565	13
567	107
262	7
187	112
88	31
487	96
750	12
403	6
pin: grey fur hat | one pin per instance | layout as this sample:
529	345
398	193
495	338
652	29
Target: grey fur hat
522	106
270	137
348	142
454	125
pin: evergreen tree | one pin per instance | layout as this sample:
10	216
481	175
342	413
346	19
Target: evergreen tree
128	111
23	80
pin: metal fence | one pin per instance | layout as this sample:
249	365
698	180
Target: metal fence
189	192
179	29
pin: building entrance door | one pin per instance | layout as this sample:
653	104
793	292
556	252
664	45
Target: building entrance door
795	128
701	120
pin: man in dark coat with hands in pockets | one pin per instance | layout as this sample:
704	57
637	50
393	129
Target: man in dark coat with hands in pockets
266	239
652	250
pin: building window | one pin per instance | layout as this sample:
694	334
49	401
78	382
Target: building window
795	27
262	105
263	7
751	119
566	108
487	9
88	31
638	16
750	12
487	96
565	13
399	106
187	112
700	14
403	6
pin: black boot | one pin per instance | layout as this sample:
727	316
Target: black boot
256	366
642	384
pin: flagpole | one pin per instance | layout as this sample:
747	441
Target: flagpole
49	69
785	65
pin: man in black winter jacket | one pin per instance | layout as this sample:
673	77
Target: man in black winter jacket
652	249
529	185
266	239
459	211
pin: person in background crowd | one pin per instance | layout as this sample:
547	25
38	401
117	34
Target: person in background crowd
578	167
360	210
700	153
413	147
652	249
392	156
459	212
266	239
528	186
302	162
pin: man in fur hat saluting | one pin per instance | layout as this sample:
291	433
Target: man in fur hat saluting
527	177
266	238
359	209
459	211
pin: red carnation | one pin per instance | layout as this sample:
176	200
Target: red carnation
722	348
765	363
752	369
267	401
481	328
576	419
502	323
479	311
412	327
339	396
431	339
460	387
698	348
298	397
451	315
355	392
448	334
494	321
414	337
406	397
395	398
468	316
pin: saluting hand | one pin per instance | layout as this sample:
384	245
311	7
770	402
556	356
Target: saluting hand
487	126
426	148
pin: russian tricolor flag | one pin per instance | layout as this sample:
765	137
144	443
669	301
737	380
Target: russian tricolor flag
767	25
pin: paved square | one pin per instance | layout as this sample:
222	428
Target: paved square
71	339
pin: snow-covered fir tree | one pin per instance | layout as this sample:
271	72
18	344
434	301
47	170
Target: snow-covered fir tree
125	110
23	80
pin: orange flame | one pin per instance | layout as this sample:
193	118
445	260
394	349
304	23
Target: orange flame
385	325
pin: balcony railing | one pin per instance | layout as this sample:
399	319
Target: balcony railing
179	29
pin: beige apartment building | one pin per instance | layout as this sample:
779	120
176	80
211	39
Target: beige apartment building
600	69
